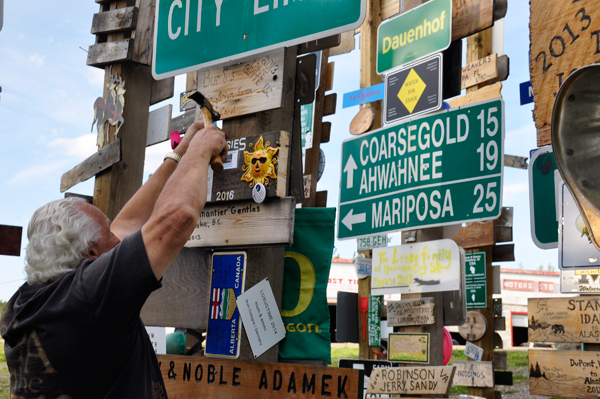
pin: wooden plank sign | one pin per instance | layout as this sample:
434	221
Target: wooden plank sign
479	71
411	312
571	374
245	224
255	159
411	380
474	374
96	163
575	319
565	36
409	347
187	377
10	240
244	88
474	328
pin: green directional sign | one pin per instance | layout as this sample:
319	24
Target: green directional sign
417	33
433	171
193	34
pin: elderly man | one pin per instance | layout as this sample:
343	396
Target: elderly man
73	329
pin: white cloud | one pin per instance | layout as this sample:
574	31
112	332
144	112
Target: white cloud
95	77
511	192
80	147
37	59
39	172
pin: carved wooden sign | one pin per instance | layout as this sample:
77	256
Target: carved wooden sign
575	319
251	160
411	312
571	374
479	71
474	374
409	347
565	36
187	376
244	88
245	223
474	328
411	380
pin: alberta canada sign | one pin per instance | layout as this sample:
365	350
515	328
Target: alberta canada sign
193	34
437	170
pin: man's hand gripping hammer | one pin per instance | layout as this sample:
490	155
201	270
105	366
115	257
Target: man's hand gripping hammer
210	115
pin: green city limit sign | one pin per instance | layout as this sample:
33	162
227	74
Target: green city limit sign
433	171
193	34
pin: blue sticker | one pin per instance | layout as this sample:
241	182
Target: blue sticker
363	96
224	324
526	90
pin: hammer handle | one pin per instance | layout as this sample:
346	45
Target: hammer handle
217	162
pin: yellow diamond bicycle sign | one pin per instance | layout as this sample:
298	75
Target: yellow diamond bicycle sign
414	90
411	90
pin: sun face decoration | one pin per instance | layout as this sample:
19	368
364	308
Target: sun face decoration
260	164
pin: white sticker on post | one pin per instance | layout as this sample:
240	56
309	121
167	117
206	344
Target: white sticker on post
261	318
158	338
473	351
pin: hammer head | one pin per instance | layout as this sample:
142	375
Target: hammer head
203	102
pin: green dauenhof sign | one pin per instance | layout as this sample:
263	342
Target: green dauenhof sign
193	34
433	171
417	33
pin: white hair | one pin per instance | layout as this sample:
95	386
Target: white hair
58	233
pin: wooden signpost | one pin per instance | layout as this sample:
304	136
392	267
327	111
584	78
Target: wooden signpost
435	380
409	347
474	328
474	374
565	36
566	373
479	71
186	377
411	312
573	319
244	88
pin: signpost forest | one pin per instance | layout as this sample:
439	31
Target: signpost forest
437	170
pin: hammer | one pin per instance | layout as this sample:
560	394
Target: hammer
210	115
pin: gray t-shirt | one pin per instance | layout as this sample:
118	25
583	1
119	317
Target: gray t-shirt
81	336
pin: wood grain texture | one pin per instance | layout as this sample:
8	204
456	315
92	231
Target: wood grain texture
144	32
183	299
556	51
362	121
486	93
474	328
474	374
103	159
194	377
162	90
573	319
325	132
159	125
244	88
411	312
110	52
182	122
245	224
329	104
330	74
433	380
475	235
570	374
479	71
468	16
10	240
346	44
115	21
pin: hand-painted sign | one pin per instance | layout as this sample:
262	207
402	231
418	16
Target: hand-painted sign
195	377
367	367
564	319
474	374
433	171
243	29
411	312
568	373
227	283
415	34
412	380
262	320
413	90
363	96
479	71
409	347
374	319
543	179
526	92
431	266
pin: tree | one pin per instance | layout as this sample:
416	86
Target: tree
541	267
521	266
550	268
336	253
2	303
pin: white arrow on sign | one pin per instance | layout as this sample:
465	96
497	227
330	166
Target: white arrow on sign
351	219
350	168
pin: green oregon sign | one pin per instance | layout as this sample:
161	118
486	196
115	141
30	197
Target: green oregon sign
437	170
191	34
417	33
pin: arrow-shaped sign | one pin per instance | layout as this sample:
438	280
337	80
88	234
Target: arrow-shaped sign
350	168
351	219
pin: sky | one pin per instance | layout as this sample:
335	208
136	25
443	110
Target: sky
46	113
